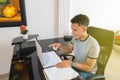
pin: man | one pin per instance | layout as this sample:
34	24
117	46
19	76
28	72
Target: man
85	48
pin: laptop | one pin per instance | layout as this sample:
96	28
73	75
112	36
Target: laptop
47	59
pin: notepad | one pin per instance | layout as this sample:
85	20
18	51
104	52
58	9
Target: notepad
55	73
48	61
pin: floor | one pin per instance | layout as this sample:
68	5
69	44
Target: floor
112	68
4	76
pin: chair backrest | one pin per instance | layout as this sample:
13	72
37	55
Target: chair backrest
105	39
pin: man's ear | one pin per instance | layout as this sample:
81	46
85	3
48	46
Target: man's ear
84	28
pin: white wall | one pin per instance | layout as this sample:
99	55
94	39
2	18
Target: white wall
42	18
6	49
102	13
64	11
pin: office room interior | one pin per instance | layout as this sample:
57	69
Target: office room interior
51	19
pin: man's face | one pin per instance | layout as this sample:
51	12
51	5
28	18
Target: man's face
77	30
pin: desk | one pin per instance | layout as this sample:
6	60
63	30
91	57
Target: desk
31	68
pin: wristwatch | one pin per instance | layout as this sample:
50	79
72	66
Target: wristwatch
73	64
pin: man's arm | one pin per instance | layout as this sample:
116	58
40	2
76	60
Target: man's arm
85	67
90	62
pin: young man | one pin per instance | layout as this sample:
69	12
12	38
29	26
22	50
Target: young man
85	48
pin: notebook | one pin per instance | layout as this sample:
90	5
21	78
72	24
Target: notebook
48	61
55	73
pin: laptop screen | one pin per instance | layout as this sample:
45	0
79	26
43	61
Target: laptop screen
39	52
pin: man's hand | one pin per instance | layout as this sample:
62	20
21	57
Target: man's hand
64	64
55	46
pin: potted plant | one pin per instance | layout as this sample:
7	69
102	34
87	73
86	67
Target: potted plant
24	31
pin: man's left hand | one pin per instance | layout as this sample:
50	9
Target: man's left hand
64	64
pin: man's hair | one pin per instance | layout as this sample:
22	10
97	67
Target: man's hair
80	20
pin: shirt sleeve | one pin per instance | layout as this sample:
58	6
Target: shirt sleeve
94	51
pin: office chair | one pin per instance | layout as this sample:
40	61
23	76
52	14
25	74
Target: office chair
105	39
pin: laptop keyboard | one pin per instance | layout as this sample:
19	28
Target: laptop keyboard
50	59
46	58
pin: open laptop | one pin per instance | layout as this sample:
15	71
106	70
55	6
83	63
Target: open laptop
47	59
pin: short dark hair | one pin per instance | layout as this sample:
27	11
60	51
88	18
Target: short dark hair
81	19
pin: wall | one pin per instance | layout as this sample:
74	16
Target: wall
42	18
6	49
102	13
64	10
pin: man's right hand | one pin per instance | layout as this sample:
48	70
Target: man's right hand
55	46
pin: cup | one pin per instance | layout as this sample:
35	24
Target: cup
68	38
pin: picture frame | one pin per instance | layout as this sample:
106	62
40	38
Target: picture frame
16	17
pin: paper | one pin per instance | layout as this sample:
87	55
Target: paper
55	73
